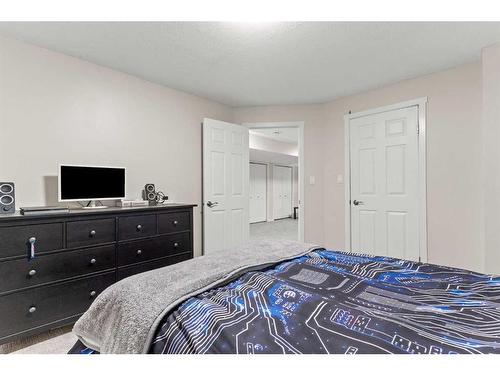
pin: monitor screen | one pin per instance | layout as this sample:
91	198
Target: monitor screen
90	183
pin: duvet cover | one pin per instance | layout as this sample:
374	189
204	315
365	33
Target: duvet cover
330	302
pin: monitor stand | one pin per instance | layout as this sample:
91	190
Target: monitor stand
92	206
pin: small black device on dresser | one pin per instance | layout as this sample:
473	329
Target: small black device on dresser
7	198
152	196
52	266
149	194
43	210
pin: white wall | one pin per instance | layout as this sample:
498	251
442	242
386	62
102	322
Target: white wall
454	160
491	157
57	109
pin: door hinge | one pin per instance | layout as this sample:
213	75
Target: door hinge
419	259
418	128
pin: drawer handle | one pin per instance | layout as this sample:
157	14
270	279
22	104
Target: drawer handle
93	293
92	233
32	241
176	244
93	261
139	227
32	273
139	252
175	222
32	309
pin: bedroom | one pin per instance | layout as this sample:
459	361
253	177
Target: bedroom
395	154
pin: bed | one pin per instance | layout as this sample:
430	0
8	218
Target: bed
286	297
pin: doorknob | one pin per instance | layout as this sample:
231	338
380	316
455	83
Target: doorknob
358	203
212	204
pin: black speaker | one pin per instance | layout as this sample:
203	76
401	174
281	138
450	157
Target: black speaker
149	194
7	198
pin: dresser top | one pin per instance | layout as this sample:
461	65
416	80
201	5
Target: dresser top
94	211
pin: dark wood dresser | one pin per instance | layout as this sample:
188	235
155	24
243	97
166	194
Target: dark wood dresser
77	256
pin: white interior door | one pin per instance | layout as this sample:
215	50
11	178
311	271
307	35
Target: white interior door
384	183
282	191
277	187
258	192
287	191
225	185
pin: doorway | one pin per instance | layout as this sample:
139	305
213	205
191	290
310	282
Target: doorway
276	157
385	174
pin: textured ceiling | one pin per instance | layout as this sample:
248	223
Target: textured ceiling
243	64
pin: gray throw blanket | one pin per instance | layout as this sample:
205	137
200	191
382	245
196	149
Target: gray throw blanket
124	318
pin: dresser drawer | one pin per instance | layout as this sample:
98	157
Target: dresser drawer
33	308
143	250
90	232
14	241
124	272
178	243
24	273
174	222
130	227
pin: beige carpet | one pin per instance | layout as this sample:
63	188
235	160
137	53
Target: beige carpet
286	229
57	341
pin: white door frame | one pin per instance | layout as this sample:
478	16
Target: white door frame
300	126
421	104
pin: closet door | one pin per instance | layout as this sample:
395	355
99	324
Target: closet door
258	192
286	204
282	192
277	187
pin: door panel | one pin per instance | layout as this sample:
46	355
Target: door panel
237	175
367	171
225	185
287	192
384	183
258	192
396	232
218	172
282	191
367	227
276	192
395	169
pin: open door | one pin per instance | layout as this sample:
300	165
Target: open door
225	185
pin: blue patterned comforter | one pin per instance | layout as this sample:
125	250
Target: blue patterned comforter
336	302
